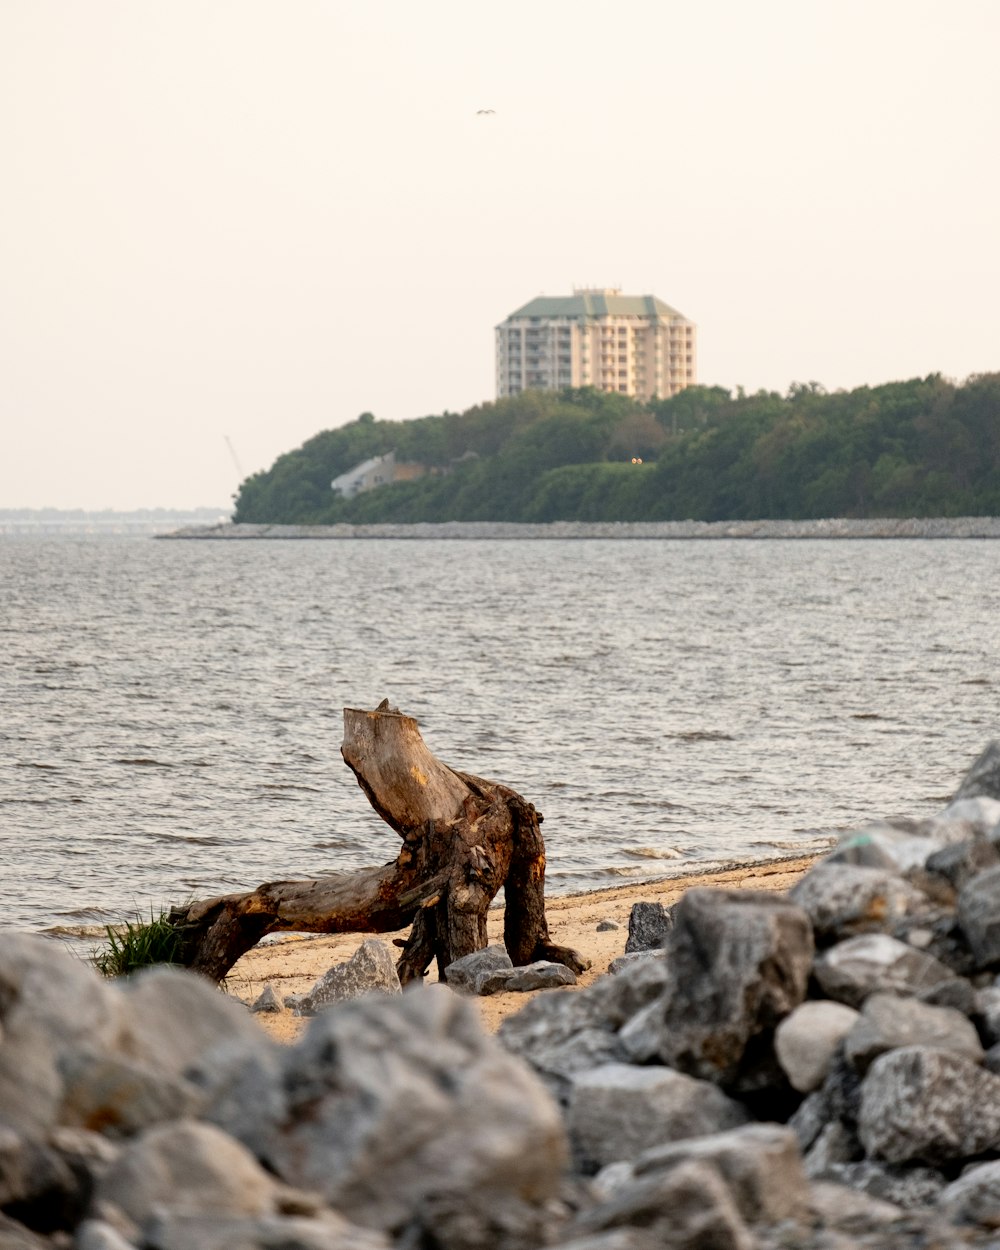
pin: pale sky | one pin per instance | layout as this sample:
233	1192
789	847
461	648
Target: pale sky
231	219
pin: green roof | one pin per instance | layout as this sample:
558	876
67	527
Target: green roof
595	304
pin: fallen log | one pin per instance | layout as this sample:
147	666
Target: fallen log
463	837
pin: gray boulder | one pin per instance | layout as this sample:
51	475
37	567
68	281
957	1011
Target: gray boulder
835	1144
178	1020
482	972
896	846
910	1188
806	1041
607	924
851	1211
888	1022
928	1106
975	1197
983	777
987	1014
618	1110
979	916
267	1002
370	970
843	900
402	1109
100	1235
957	993
621	962
958	863
543	974
739	963
186	1168
760	1164
561	1034
326	1231
52	1007
688	1207
859	966
119	1096
648	926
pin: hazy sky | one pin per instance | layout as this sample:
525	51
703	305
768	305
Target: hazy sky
247	220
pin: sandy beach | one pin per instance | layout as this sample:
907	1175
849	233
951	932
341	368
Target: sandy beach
293	963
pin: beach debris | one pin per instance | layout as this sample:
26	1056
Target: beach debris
736	1088
371	969
463	839
648	926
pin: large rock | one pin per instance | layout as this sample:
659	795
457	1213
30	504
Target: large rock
975	1197
888	1022
806	1041
178	1020
562	1034
928	1106
370	970
186	1168
983	777
481	972
118	1096
738	963
958	863
760	1163
910	1188
894	846
979	916
403	1109
843	900
543	974
618	1110
648	927
688	1207
326	1231
52	1007
859	966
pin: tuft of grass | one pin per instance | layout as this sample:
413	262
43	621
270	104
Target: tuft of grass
138	944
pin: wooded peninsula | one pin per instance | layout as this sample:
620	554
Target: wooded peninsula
920	448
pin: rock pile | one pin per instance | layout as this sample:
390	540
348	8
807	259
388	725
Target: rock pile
818	1071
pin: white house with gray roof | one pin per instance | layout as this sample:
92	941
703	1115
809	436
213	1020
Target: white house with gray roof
631	344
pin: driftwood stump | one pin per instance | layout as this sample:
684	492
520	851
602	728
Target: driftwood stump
463	838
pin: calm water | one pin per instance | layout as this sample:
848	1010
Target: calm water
172	711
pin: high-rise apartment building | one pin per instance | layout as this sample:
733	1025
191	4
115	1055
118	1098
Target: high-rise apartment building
632	344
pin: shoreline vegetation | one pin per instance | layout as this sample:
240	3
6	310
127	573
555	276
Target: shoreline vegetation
985	527
927	447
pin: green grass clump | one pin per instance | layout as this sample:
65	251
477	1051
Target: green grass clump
138	944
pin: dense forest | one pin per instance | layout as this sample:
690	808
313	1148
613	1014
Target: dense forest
925	447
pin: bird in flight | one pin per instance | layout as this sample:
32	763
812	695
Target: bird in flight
484	112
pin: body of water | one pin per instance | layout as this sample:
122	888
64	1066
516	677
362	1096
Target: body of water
172	712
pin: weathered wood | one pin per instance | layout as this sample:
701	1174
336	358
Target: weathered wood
463	838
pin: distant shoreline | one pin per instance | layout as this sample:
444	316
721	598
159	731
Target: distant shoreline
884	527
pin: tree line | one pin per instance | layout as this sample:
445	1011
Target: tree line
923	447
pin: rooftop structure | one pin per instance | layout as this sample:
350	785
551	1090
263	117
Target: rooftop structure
631	344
